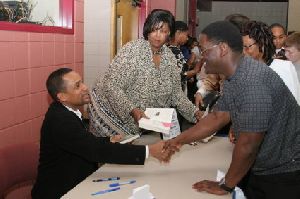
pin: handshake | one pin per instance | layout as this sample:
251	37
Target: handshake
163	150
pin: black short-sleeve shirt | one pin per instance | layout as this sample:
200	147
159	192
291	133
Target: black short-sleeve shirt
259	101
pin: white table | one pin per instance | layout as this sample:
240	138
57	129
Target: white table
167	181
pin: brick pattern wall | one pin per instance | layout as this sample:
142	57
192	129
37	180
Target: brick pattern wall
26	60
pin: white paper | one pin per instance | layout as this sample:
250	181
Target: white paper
163	120
238	193
175	128
142	192
129	138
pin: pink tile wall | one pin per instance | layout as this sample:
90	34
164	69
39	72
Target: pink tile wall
166	4
26	61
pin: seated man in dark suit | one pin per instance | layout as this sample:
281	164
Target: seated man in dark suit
68	152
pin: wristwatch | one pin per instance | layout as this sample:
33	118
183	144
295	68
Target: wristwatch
224	187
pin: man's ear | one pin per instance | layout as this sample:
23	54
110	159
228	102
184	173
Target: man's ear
224	48
62	97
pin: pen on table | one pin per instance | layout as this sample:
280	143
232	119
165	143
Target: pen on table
105	191
117	184
106	179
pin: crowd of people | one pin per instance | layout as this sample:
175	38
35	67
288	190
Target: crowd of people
254	68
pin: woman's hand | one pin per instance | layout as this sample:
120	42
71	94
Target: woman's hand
199	115
116	138
137	114
198	100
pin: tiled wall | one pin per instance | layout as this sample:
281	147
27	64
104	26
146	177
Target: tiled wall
165	4
294	15
26	59
96	39
268	12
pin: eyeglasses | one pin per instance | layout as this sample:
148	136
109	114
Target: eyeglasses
249	46
208	48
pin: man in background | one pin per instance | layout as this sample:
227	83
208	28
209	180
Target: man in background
279	36
265	118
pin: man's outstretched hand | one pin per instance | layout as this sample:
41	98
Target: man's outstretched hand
208	186
172	145
157	151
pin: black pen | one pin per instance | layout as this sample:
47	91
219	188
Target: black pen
107	179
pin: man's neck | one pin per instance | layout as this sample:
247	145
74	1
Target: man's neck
75	108
233	63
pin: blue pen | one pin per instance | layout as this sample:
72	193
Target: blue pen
122	183
107	179
105	191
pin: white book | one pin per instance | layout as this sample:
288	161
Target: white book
129	138
163	120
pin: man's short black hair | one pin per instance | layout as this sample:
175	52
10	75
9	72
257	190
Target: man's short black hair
224	31
277	25
55	82
181	26
154	20
238	20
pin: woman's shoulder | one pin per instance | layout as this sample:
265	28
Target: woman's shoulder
136	44
168	52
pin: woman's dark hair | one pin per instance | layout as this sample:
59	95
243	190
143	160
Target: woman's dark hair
154	19
55	82
224	31
181	26
190	42
262	35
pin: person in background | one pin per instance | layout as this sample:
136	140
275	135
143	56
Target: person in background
291	32
179	38
144	74
195	50
194	64
279	36
265	118
258	43
208	83
238	20
68	152
292	50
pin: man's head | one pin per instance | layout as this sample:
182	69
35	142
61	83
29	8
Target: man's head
292	48
279	35
181	32
218	42
66	86
238	20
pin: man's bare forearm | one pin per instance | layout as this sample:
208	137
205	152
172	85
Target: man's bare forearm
243	157
204	128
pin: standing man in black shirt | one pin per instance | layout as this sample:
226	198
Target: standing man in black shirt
265	119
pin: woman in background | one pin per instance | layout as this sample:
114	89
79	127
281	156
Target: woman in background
258	43
144	74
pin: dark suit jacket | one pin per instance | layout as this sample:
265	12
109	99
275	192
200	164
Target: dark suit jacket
69	153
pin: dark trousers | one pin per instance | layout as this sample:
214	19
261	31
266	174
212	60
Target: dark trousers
276	186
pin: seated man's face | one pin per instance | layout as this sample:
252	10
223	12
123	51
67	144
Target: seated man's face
278	37
76	92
